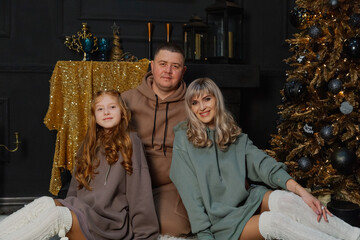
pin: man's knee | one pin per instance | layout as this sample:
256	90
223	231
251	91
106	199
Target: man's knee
171	213
175	227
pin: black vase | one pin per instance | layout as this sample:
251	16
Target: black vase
347	211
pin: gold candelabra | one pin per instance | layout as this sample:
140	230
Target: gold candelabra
17	142
75	42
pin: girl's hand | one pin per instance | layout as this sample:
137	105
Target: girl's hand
315	205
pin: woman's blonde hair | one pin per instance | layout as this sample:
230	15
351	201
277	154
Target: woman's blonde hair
226	128
114	141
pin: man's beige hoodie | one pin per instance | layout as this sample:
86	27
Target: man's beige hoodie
154	120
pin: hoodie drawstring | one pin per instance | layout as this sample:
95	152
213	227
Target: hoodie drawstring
166	125
154	127
107	174
217	157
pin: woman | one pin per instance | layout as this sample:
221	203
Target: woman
211	165
110	194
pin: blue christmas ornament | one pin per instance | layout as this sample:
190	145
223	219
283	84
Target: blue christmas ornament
294	90
354	20
315	31
346	108
334	3
326	132
352	47
335	86
304	164
343	160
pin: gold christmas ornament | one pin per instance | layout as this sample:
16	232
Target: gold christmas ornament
117	54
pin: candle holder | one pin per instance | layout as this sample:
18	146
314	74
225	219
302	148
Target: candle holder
104	46
149	27
168	32
87	45
83	41
195	39
225	40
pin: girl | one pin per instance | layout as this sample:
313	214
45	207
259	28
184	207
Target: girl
110	193
211	163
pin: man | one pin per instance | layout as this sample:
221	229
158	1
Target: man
157	105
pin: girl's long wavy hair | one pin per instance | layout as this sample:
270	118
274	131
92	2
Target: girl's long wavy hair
113	141
227	131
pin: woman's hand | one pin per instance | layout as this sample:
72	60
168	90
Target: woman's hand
315	205
309	199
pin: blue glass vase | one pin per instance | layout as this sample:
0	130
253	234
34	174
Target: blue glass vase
87	45
104	46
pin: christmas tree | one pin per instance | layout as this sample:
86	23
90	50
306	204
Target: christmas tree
318	132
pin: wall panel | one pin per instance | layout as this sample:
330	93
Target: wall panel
32	41
5	18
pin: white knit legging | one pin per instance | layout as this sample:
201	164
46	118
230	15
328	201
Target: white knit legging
291	218
40	219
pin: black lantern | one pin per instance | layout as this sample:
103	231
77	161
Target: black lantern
195	39
224	19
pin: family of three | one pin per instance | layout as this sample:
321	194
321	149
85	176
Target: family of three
179	166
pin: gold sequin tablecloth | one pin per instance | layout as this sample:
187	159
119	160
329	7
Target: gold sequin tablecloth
72	85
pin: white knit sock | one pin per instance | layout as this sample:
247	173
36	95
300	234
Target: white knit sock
49	223
293	206
25	215
167	237
274	225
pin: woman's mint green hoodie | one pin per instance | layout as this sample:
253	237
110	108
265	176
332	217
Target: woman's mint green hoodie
211	183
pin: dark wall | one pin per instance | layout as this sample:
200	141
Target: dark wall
28	171
31	41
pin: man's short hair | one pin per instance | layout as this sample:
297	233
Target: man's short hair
171	47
